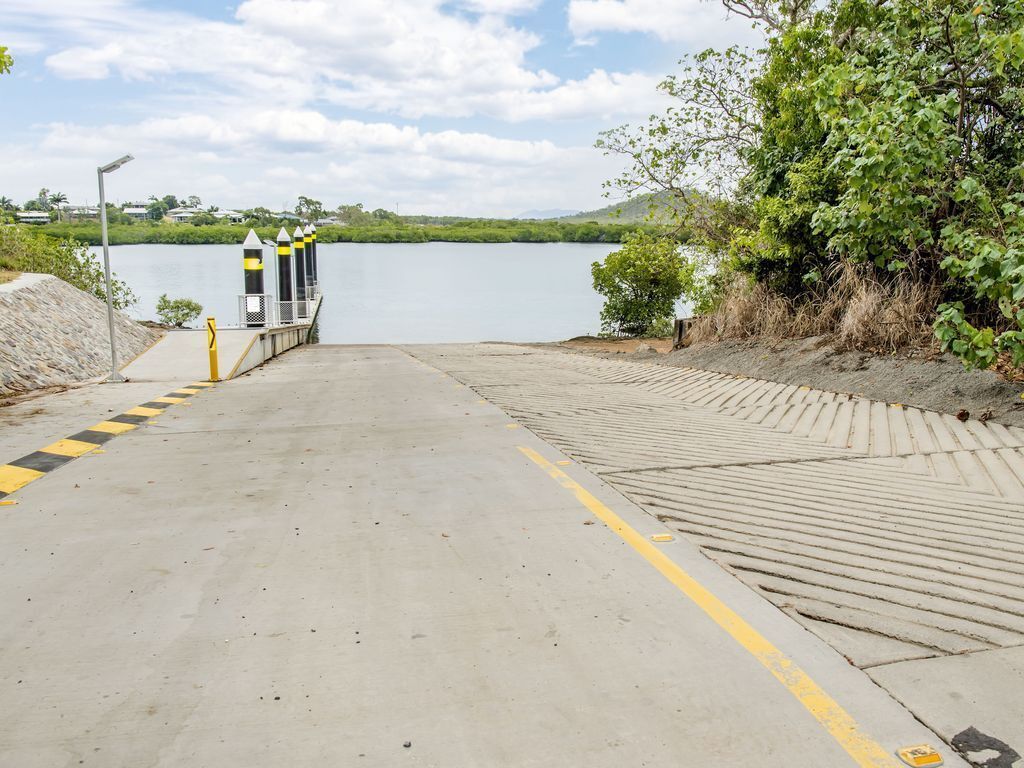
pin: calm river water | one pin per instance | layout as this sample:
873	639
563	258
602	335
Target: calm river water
390	293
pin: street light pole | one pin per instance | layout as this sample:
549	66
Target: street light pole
109	168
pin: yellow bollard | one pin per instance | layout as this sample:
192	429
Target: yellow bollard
211	342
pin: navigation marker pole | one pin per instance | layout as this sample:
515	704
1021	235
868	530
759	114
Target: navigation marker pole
300	270
307	240
284	277
316	269
252	262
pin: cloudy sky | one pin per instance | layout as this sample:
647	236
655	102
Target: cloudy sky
470	107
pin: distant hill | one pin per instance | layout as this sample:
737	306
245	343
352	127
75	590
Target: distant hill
550	213
636	209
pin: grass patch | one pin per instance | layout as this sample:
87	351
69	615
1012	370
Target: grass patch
7	275
854	310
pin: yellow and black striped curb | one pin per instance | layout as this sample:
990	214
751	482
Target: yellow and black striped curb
20	472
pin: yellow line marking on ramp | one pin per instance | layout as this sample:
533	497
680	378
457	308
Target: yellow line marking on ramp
864	750
13	478
141	410
113	427
69	447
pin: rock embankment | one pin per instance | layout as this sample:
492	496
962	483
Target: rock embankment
51	333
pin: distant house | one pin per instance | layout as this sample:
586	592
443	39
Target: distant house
79	212
327	221
33	217
287	216
137	211
182	215
232	216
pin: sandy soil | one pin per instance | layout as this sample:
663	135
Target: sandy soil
939	384
616	346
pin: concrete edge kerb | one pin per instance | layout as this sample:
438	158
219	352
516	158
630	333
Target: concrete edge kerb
25	280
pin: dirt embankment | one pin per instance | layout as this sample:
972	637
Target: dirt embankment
938	384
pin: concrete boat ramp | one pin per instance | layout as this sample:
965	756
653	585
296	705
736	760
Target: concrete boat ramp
183	354
489	555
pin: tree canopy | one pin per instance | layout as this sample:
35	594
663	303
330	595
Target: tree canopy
885	134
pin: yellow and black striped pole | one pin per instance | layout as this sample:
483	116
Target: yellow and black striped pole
211	345
307	239
252	263
316	270
284	277
300	267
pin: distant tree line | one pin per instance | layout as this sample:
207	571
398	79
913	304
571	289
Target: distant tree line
468	231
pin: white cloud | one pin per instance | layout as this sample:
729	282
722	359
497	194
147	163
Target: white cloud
269	157
255	99
701	23
501	7
411	58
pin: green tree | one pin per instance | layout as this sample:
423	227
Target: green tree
6	61
260	217
157	208
640	282
116	216
203	219
883	133
56	199
354	215
926	118
309	209
24	250
6	204
177	312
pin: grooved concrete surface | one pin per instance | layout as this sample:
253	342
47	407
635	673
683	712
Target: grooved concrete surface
893	533
344	559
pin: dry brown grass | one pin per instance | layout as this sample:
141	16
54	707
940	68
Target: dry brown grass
7	275
855	311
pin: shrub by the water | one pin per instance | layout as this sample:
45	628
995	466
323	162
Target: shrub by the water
24	249
640	283
177	312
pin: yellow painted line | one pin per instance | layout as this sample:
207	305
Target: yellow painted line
203	384
113	427
864	750
511	426
171	400
188	391
68	447
13	478
140	410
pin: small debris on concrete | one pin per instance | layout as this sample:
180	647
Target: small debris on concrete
963	414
